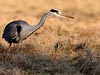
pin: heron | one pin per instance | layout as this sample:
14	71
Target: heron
18	30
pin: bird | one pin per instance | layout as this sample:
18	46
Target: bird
18	30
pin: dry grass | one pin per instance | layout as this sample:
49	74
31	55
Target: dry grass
61	46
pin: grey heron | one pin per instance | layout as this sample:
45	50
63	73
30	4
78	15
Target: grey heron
18	30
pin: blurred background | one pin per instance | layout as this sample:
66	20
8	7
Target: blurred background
86	13
77	41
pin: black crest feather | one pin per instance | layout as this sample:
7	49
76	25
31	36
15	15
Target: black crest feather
54	10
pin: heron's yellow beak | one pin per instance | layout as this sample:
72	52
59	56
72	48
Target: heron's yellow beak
67	16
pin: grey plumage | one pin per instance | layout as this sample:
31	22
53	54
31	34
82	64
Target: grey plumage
17	31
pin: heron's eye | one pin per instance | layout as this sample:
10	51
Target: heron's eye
57	12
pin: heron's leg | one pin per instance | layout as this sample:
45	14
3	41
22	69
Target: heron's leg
9	46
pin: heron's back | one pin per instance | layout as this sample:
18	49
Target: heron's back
11	30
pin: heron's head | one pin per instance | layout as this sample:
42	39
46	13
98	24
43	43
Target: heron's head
58	13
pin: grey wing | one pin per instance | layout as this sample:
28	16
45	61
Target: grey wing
25	32
11	32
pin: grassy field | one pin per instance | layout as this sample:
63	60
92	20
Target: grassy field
61	46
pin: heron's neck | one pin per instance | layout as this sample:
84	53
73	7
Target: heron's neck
40	23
